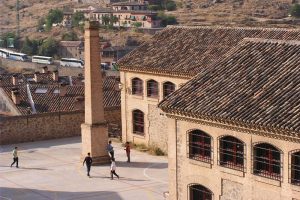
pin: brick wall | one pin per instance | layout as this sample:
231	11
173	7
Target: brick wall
46	126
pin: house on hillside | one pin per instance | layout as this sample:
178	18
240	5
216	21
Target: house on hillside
233	130
71	49
163	64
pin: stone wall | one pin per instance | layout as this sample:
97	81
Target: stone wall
46	126
19	66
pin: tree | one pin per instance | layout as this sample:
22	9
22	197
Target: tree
48	47
171	5
54	16
295	10
166	19
71	36
136	25
77	18
113	19
10	40
105	19
154	7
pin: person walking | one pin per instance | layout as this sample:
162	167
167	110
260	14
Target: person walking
88	162
113	168
127	149
15	157
110	149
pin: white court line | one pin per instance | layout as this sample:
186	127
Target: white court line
151	178
2	197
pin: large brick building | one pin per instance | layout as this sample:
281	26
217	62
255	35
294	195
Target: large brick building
234	128
161	65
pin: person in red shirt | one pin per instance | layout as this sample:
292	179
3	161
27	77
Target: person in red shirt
127	148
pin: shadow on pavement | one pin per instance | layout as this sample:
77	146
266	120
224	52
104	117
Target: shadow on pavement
39	144
32	194
142	165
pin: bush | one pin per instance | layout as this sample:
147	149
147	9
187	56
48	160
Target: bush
295	10
54	16
154	7
166	19
30	47
171	5
77	18
71	36
48	47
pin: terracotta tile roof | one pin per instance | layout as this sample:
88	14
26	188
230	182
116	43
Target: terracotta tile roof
257	85
49	101
185	51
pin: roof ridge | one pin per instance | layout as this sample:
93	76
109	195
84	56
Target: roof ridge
229	27
264	40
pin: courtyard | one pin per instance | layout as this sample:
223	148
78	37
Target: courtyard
52	170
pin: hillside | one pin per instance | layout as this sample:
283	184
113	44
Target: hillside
190	12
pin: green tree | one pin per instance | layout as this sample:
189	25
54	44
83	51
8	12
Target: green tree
77	18
295	10
113	19
171	5
137	25
166	19
105	20
71	36
48	47
154	7
10	39
54	16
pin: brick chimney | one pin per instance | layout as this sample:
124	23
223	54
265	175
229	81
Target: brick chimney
37	77
63	90
55	75
79	103
15	79
45	69
15	94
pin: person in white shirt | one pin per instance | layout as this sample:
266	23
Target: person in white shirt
15	157
113	168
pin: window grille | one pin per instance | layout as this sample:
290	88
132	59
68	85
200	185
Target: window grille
294	167
138	122
199	192
267	161
231	153
152	89
137	86
199	146
168	88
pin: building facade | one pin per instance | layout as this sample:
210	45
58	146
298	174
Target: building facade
236	135
162	64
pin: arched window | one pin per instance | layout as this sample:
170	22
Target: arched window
231	151
199	192
168	88
138	122
137	86
152	89
295	168
267	161
199	146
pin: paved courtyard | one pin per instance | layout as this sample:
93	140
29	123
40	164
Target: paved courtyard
52	170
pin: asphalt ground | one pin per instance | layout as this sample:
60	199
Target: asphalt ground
52	170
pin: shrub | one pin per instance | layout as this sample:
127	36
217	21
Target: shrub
295	10
154	7
171	5
156	151
77	18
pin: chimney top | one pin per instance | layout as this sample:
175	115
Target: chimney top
14	89
79	98
55	71
45	69
91	25
36	72
15	75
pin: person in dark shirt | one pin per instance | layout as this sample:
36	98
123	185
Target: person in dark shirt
110	149
88	162
127	149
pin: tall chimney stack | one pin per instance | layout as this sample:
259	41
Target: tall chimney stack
15	94
94	130
55	75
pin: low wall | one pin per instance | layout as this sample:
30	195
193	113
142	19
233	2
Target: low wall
19	66
36	127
